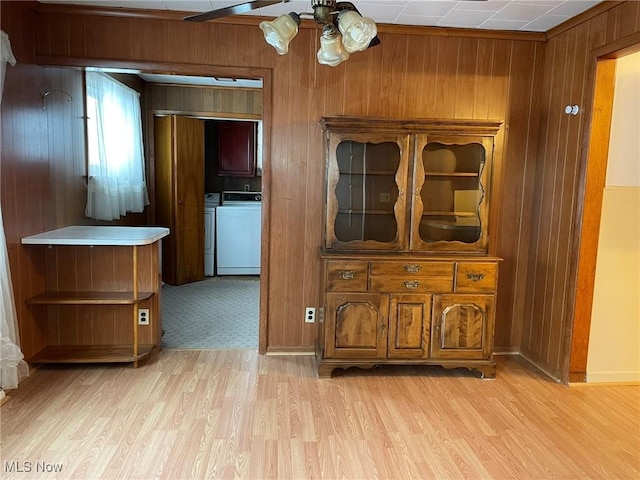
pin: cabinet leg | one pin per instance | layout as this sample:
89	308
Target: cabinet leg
324	371
488	372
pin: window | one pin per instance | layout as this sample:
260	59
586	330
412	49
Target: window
115	152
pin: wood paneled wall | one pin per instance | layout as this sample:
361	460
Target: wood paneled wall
457	75
228	102
560	169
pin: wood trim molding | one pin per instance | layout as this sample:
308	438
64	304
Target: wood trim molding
583	17
250	20
621	47
127	66
594	181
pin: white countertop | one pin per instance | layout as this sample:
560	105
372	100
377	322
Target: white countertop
98	235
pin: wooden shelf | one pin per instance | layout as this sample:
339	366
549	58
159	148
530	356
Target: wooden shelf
88	298
449	214
366	212
452	174
372	172
91	354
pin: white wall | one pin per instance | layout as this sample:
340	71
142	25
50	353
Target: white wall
614	342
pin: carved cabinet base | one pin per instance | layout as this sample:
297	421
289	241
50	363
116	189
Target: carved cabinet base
325	368
400	310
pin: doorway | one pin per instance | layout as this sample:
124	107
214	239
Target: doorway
594	184
202	70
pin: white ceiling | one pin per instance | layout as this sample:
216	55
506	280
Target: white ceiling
523	15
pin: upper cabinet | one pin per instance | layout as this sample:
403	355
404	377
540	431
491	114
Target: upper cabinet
397	185
237	148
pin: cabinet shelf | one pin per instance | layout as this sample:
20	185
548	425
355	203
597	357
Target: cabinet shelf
88	298
365	212
449	214
373	172
91	354
452	174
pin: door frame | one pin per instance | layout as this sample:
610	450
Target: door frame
203	70
592	182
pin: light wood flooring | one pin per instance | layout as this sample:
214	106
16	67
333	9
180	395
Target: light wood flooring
236	414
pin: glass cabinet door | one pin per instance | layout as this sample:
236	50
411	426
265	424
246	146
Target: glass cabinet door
366	198
450	210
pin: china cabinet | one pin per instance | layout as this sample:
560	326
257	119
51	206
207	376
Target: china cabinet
407	278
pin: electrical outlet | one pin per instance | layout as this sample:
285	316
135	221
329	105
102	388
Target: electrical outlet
309	315
246	187
385	197
143	316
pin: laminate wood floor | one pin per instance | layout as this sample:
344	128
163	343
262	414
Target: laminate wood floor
236	414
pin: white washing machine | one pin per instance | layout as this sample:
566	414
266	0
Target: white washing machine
238	236
211	202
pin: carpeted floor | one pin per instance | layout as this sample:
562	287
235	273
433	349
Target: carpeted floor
218	312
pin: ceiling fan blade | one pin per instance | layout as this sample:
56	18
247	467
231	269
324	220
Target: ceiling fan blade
233	10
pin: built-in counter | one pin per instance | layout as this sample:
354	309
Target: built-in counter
102	293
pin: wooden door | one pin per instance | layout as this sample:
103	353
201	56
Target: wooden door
462	326
180	196
356	325
236	148
189	188
409	326
164	194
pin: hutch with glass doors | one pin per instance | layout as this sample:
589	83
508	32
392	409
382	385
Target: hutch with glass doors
406	274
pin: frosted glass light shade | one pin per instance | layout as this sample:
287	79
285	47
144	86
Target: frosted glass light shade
357	31
279	32
332	51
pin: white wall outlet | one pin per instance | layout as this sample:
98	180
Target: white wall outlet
143	316
309	315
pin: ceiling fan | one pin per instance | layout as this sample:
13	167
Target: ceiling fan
344	30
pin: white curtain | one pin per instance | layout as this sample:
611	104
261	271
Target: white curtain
12	364
116	157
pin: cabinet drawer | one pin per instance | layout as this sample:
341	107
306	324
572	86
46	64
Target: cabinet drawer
476	277
406	284
413	269
346	276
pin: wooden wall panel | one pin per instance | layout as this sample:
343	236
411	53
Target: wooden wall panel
560	166
417	75
226	101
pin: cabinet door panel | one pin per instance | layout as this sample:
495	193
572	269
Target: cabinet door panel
366	191
356	325
462	326
450	207
409	326
236	149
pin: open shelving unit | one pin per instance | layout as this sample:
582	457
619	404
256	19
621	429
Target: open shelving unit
90	269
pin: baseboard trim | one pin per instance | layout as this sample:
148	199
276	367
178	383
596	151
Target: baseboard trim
540	368
280	351
506	350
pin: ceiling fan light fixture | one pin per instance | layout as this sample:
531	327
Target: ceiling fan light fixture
357	31
279	32
332	51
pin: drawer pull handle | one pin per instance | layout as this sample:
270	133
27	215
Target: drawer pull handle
411	285
347	274
412	268
475	277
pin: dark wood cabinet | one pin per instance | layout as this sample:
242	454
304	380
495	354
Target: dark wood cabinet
236	148
407	278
